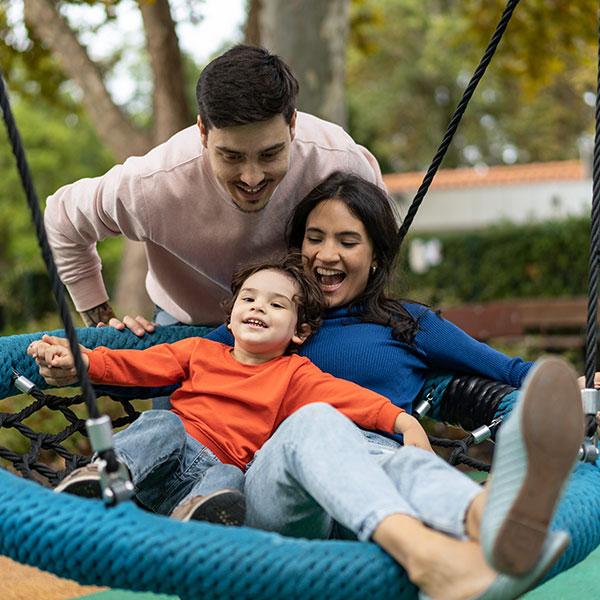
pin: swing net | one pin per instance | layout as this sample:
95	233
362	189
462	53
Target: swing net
125	547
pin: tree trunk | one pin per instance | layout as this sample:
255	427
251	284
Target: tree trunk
310	35
171	111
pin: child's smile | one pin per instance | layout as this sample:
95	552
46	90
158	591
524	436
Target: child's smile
264	317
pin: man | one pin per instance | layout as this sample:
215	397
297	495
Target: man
207	200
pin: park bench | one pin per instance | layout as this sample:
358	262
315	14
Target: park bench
548	324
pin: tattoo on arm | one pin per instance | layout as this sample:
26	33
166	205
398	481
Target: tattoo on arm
100	314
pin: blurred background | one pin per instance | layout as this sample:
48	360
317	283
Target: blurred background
93	82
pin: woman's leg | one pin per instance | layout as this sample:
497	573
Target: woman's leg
318	467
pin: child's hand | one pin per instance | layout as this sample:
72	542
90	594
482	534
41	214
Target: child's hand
55	361
413	433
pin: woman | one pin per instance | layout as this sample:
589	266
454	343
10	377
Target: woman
347	233
346	230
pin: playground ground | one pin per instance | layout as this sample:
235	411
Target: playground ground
19	582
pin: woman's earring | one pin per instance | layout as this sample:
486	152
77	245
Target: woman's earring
373	269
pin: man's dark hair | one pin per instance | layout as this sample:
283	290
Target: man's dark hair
245	85
309	301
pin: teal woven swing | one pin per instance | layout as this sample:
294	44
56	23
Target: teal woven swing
127	548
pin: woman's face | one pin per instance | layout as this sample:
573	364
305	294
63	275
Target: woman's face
338	250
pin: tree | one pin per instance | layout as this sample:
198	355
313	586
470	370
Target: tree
409	62
118	130
310	35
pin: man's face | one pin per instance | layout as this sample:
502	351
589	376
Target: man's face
250	161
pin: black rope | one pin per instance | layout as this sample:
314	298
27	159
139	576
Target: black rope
456	118
57	286
459	454
29	462
591	347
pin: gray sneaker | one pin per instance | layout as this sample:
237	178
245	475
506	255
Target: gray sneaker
225	507
84	481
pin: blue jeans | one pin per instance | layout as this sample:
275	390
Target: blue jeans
167	465
319	468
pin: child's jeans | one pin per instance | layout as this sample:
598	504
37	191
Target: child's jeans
167	465
318	468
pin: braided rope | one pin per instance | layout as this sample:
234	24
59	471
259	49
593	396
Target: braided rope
456	118
591	347
38	221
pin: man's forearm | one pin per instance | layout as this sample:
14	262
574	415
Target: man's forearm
99	314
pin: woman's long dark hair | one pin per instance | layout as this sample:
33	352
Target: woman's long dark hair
373	208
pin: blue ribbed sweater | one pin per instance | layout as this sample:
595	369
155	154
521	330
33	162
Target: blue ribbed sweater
367	353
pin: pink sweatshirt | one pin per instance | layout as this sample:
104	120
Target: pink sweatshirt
194	234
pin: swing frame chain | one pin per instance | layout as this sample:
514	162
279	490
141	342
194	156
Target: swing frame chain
115	482
589	451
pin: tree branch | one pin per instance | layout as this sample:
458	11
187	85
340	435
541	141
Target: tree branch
113	127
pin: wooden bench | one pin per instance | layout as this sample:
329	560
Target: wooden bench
546	323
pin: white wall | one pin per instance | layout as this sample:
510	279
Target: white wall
477	207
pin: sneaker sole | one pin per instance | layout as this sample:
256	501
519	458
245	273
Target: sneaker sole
223	507
87	488
524	498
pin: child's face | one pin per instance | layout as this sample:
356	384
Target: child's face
264	316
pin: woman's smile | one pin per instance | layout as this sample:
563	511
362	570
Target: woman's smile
338	250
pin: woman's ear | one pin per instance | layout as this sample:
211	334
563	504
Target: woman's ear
302	334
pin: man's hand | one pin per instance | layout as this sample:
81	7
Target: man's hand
413	433
581	381
55	361
138	325
104	316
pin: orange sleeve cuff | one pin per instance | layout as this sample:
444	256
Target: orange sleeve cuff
97	369
387	417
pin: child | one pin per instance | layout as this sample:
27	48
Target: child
188	462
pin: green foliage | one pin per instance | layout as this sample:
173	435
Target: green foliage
409	62
61	147
508	261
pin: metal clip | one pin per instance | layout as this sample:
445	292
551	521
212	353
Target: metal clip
485	431
422	409
481	434
116	486
591	401
588	453
21	382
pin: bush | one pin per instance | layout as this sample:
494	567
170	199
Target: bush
507	261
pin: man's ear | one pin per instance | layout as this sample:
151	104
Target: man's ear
203	132
302	334
293	126
228	325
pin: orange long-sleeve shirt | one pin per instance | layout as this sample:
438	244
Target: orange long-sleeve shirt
234	408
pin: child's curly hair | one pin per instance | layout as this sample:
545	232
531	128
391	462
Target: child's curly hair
309	301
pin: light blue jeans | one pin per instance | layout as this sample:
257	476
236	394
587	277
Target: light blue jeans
167	465
319	468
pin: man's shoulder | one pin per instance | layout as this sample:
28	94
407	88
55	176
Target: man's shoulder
323	134
182	149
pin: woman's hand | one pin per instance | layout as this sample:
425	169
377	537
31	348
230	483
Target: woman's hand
54	359
413	433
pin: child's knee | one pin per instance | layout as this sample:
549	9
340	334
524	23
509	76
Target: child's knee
164	427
